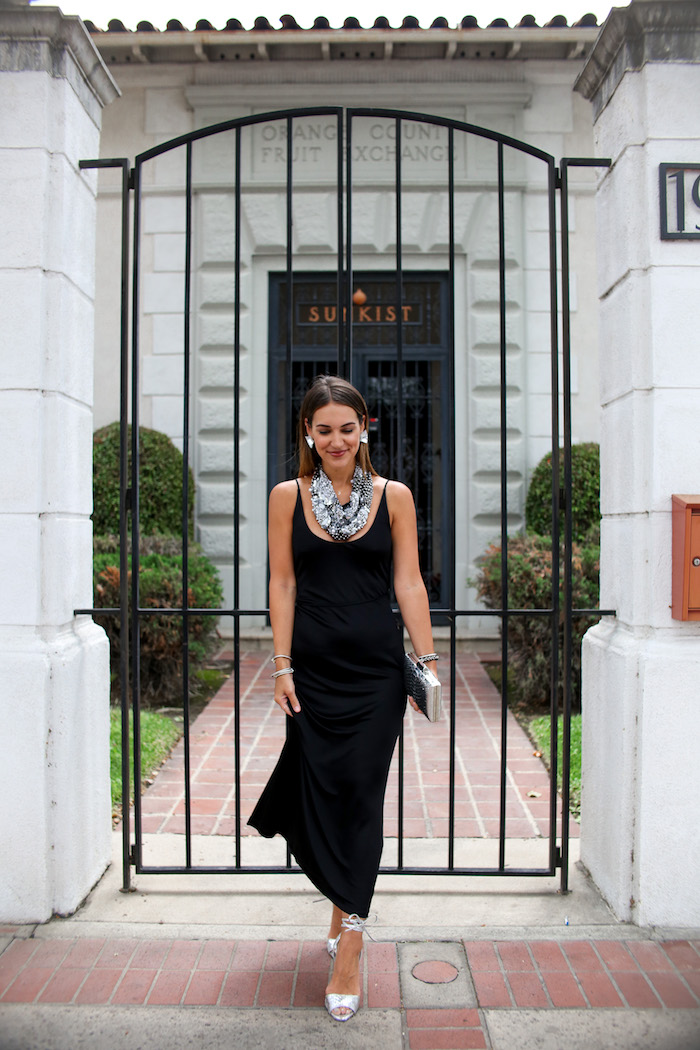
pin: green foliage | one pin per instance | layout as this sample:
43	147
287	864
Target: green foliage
585	492
160	586
160	482
539	730
158	736
529	563
171	546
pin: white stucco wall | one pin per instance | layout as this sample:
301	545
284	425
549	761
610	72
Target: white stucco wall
641	776
55	818
531	100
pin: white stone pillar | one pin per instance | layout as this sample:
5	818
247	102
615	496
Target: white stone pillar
54	669
641	670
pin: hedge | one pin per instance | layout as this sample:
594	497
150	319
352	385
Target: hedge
529	562
160	586
585	492
160	483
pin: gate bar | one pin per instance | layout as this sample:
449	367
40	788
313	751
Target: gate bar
347	362
567	162
123	163
451	501
185	504
290	321
135	522
236	500
400	368
554	397
339	276
504	507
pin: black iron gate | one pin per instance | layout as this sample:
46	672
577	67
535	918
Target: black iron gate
396	370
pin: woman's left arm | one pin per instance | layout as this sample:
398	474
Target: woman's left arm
408	583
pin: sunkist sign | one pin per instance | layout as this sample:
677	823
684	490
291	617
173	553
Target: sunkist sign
362	312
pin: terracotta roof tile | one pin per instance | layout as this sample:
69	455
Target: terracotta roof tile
289	22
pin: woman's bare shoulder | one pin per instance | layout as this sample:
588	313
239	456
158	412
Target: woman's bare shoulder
283	495
398	493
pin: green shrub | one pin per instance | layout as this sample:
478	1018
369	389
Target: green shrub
160	482
160	586
585	489
530	587
156	543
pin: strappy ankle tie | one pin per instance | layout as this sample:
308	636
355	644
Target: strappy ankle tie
354	922
351	922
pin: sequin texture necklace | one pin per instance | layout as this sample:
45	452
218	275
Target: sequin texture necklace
341	522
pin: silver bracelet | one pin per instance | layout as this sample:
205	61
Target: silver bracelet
285	670
428	658
279	656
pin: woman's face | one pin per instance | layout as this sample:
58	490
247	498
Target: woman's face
336	432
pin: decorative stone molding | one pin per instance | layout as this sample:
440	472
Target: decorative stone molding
646	31
43	40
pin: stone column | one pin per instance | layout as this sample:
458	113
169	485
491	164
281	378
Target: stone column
54	669
641	669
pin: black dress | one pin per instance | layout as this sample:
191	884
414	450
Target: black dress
326	794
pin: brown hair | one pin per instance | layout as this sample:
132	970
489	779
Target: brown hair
324	390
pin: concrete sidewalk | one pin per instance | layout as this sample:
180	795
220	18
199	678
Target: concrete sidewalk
233	961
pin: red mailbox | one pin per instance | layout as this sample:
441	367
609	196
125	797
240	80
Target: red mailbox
686	558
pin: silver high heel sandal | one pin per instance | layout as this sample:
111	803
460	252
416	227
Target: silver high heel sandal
335	1001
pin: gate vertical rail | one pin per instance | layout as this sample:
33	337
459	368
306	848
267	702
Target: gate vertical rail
187	320
237	496
136	526
554	658
124	499
567	655
503	354
452	504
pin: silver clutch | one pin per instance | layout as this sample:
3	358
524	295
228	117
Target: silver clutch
423	686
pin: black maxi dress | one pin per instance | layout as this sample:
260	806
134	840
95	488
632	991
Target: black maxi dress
326	794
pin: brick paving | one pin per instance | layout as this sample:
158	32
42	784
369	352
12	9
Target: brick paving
426	764
509	975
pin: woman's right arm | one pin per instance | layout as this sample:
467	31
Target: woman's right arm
283	588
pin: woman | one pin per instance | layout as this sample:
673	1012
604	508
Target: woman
333	533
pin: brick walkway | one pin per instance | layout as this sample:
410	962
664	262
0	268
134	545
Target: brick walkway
426	765
507	975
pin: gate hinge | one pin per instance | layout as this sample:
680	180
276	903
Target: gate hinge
131	182
127	499
557	178
557	857
562	499
132	854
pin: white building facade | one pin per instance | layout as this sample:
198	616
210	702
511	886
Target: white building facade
514	81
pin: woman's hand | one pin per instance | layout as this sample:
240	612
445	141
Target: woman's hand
412	702
285	695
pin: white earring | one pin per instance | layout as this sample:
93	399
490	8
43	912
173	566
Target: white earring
309	441
364	438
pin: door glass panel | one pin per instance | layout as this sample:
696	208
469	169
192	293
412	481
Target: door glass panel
417	462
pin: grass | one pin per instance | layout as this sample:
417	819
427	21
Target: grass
539	729
159	734
160	731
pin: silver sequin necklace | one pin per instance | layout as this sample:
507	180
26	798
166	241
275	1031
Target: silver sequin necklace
341	522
